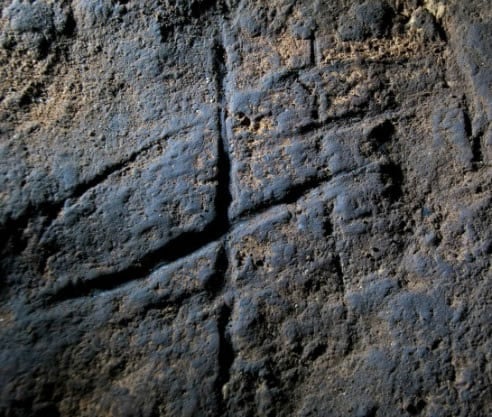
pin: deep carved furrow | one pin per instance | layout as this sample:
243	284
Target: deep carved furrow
356	117
223	224
215	288
223	195
477	149
225	355
217	283
182	246
290	196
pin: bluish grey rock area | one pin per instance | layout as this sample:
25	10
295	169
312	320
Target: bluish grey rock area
245	208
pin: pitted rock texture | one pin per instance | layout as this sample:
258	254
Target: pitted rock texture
245	208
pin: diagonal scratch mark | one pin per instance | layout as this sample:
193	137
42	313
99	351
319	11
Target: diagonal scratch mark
52	209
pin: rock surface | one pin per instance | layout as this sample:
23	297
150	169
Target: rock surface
234	208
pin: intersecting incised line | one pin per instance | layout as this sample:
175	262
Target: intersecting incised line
222	225
188	242
225	356
185	245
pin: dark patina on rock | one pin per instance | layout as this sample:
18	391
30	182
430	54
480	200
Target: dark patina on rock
245	208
